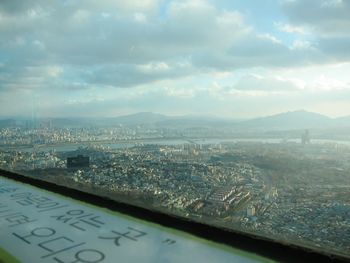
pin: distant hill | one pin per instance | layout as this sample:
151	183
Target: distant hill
192	122
343	121
139	118
295	120
289	120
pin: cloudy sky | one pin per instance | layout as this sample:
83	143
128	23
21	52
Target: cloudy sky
225	58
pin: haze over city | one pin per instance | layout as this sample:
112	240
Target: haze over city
233	59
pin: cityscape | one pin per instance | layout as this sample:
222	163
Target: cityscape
234	114
293	190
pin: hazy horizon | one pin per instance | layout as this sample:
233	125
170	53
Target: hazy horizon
18	117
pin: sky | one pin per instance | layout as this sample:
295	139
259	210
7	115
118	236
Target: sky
226	58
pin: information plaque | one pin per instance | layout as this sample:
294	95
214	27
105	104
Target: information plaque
39	226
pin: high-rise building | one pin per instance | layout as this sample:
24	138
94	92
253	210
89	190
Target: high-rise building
305	137
79	161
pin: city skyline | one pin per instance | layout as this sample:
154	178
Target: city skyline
202	57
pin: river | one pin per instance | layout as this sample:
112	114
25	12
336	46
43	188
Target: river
66	147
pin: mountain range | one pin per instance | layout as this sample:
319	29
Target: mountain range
284	121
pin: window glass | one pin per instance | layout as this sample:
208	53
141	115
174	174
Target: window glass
231	113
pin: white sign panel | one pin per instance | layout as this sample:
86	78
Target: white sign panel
37	226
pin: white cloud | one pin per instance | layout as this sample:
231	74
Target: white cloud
39	44
140	17
301	44
332	3
178	55
154	67
288	28
323	82
269	37
81	16
54	71
253	82
324	17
